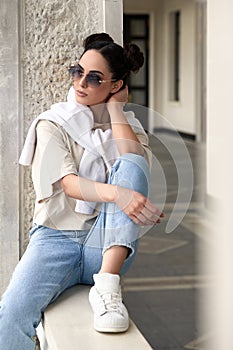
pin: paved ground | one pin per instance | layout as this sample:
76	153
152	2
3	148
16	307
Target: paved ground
163	286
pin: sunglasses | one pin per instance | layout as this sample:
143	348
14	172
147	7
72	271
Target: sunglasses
92	79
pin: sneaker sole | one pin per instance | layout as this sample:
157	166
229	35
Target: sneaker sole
111	330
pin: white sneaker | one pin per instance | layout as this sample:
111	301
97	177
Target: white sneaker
110	314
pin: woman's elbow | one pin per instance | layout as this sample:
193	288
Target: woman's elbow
67	184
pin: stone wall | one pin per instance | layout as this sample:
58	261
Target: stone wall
9	140
53	32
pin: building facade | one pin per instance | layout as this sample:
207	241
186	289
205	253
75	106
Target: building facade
38	42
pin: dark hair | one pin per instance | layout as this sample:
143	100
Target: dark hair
121	60
97	37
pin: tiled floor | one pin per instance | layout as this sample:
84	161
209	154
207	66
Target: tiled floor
163	285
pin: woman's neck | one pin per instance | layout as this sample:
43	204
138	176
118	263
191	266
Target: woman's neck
100	112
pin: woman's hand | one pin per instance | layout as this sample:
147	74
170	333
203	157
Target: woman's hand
138	207
121	97
125	137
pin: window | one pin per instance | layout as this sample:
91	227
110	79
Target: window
136	30
174	54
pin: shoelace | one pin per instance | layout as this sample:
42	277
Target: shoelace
111	301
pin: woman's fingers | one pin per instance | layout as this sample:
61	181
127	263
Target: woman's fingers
143	219
120	96
148	214
151	209
138	207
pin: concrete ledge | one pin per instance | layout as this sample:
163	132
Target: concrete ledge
68	324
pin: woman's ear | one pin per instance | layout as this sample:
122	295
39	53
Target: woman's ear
116	86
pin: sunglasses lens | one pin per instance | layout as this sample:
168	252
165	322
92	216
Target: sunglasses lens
75	72
93	80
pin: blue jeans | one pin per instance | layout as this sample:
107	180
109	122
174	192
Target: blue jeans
56	260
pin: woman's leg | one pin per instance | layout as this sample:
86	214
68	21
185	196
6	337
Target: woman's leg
113	259
116	235
49	266
113	228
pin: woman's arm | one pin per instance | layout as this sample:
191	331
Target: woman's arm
81	188
134	204
126	140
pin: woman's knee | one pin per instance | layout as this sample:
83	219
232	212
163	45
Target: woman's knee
134	160
131	171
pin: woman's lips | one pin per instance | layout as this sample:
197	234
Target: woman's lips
81	93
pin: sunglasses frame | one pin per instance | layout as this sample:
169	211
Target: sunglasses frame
93	83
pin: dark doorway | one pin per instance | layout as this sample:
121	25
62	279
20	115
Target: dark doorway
136	30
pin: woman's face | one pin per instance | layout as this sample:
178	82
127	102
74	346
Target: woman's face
93	63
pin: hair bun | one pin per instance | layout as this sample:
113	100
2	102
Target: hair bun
102	37
134	57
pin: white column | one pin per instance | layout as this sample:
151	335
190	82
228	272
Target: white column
220	167
9	139
112	24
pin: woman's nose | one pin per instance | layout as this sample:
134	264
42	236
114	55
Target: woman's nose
83	82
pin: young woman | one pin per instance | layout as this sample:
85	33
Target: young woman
90	173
